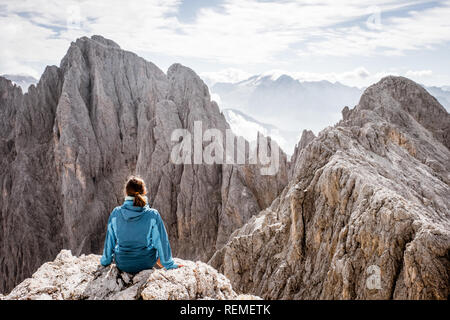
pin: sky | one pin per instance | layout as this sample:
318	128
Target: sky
355	42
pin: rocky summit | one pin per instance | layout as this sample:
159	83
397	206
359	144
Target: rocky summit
366	214
69	144
82	278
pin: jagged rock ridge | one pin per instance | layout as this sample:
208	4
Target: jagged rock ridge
69	144
368	198
82	278
23	81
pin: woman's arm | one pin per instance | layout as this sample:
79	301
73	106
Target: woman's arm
158	263
110	242
161	244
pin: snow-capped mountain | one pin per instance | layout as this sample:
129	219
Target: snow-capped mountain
287	103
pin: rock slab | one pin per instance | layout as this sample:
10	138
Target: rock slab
82	278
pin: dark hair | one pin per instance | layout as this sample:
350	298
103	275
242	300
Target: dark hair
135	187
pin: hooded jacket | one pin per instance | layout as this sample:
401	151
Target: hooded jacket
136	238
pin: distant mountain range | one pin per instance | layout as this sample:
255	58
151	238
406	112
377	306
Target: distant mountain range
267	103
287	103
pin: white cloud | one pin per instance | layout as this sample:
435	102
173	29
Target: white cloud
26	44
231	75
215	97
241	33
359	77
249	32
418	73
41	31
418	31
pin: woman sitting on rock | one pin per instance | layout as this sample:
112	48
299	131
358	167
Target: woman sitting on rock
136	237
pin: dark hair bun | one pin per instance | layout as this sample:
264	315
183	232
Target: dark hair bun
135	187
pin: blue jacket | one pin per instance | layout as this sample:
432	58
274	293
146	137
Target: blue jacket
136	238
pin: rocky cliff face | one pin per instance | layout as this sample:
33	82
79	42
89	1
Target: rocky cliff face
366	214
306	137
69	144
82	278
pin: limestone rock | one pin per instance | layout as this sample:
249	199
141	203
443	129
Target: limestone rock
83	278
70	143
306	137
366	214
23	81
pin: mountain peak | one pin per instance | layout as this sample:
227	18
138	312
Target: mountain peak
99	40
87	49
178	69
393	97
184	77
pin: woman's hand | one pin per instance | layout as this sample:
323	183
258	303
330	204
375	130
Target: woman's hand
100	269
158	263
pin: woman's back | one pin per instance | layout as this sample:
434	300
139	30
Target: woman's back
136	237
132	225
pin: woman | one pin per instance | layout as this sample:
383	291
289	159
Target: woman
136	237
